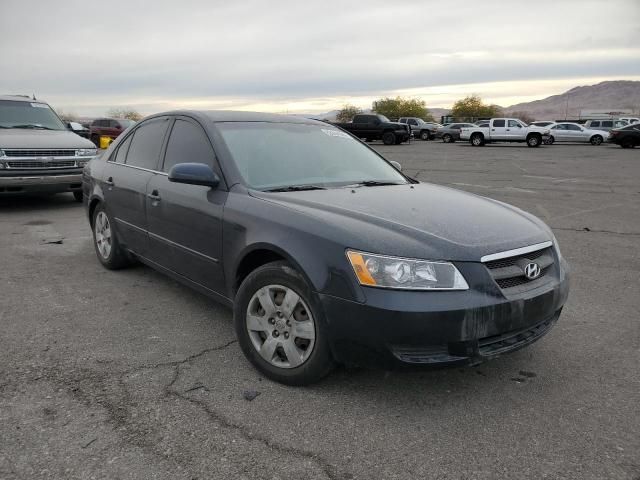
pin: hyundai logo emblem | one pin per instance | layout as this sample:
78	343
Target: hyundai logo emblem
532	271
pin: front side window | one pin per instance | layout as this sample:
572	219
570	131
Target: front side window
187	143
513	123
594	124
413	122
28	115
277	155
145	147
607	124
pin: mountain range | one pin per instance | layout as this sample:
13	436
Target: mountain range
608	96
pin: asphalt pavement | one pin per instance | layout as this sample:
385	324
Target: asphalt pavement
131	375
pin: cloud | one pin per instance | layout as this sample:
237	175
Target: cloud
88	56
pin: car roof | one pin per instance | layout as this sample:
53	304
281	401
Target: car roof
20	98
237	116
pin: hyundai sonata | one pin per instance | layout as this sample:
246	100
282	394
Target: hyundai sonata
326	251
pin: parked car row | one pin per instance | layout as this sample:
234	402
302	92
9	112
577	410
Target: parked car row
377	127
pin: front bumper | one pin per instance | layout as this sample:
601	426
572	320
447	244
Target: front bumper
41	182
394	328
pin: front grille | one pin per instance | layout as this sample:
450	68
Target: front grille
508	272
40	153
40	164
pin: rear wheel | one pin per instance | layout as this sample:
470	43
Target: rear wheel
477	140
425	135
105	241
549	141
596	140
533	141
389	138
446	138
278	323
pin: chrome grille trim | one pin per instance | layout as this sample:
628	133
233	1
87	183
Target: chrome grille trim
516	251
40	153
36	164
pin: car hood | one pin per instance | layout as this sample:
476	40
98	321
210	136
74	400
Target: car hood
33	139
420	220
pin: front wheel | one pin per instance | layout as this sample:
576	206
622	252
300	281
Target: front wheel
389	138
627	143
477	140
424	135
278	322
78	196
533	141
447	138
596	140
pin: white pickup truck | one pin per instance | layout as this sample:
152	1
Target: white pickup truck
505	130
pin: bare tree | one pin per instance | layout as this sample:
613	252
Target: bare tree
127	113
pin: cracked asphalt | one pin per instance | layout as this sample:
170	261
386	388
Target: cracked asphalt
130	375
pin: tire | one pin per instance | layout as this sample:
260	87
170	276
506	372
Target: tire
533	141
596	140
477	140
627	143
399	141
285	358
78	196
425	135
446	138
107	246
389	138
549	141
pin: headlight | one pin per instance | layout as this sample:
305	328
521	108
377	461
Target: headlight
1	153
405	273
1	165
86	152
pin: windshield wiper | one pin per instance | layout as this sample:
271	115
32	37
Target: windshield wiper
295	188
30	125
373	183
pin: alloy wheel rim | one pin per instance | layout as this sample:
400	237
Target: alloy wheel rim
103	235
280	326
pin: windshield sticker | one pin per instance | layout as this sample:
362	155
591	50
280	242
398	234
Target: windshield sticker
335	133
40	105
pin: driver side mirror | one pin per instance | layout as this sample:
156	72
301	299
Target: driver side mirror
396	165
194	174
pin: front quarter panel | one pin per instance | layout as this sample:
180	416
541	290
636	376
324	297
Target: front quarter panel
251	224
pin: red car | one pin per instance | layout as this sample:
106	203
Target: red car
107	127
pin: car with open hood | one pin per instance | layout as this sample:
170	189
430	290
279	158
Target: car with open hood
325	250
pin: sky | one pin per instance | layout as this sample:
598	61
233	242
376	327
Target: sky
309	56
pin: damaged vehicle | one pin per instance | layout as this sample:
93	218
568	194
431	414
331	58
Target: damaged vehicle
325	250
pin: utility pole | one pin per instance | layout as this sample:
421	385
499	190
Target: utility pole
566	107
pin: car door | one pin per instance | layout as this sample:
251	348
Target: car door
185	221
576	134
559	132
514	130
498	129
125	179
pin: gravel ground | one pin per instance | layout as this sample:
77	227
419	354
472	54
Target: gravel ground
130	375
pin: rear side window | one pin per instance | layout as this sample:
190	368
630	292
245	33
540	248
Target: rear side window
147	143
573	127
607	124
594	124
121	154
498	123
187	143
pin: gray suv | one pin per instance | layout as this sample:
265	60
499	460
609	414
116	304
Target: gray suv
37	152
605	125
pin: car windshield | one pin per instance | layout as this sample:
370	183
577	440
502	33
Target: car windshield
126	123
33	115
279	155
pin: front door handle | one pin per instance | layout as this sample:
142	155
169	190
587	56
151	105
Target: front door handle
155	196
109	181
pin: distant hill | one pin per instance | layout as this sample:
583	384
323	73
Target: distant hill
610	96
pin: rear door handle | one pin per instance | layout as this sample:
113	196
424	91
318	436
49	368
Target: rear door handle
109	181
